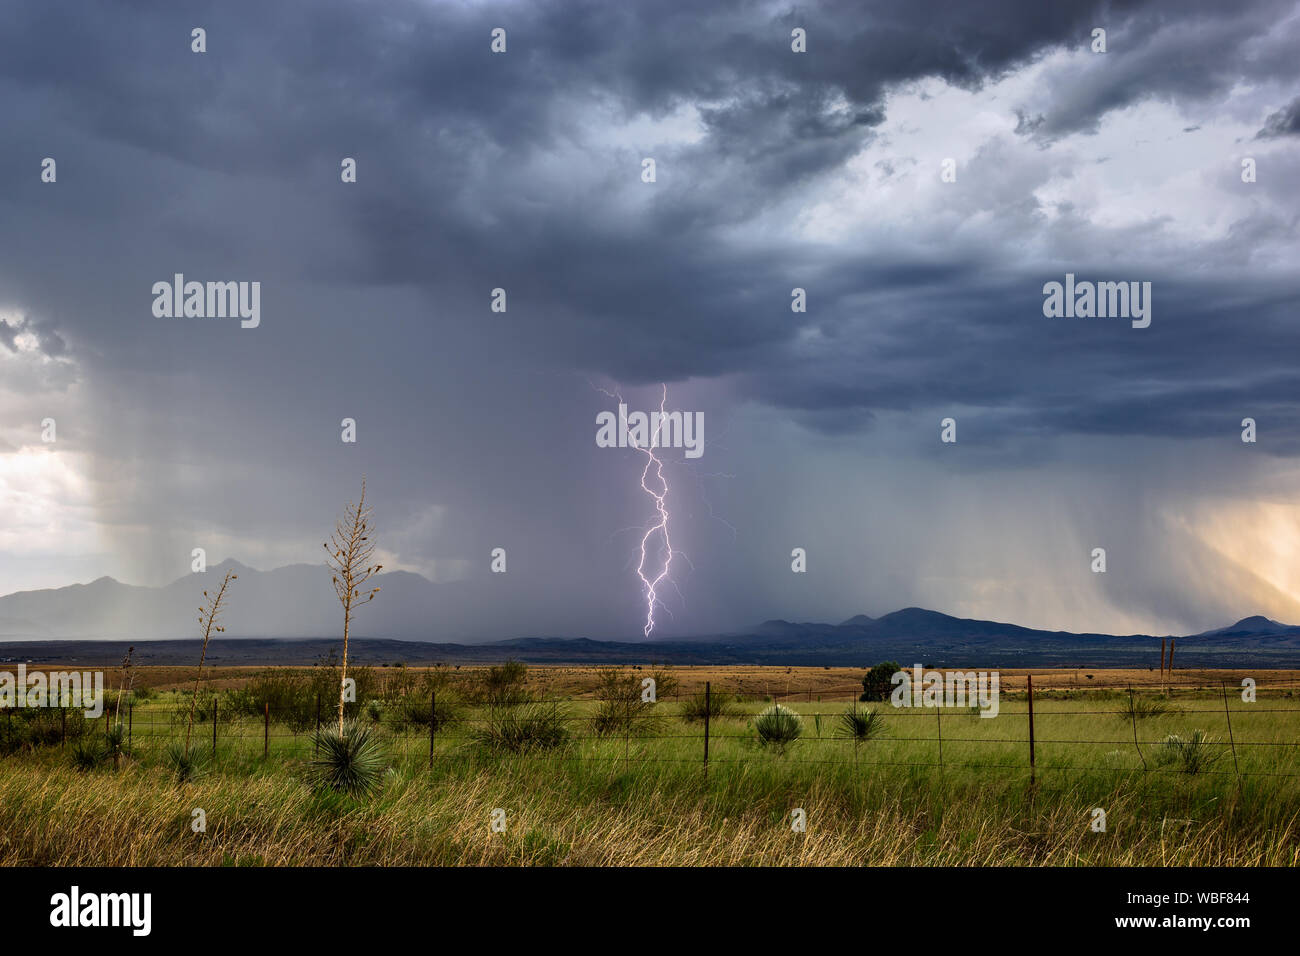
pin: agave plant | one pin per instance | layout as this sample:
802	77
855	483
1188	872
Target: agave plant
778	726
348	761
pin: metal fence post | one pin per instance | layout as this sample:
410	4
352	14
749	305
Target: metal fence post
266	732
708	707
1029	680
214	727
433	722
1231	741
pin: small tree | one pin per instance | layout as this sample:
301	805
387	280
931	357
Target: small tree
209	613
876	685
349	550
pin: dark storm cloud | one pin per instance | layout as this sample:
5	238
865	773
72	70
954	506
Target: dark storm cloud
442	128
1185	53
520	171
1285	122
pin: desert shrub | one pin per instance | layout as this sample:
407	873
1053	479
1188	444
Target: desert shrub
620	709
351	762
503	685
860	725
778	726
718	704
227	708
414	711
665	683
296	696
28	728
523	728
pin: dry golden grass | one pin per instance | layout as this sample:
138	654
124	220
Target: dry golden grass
61	818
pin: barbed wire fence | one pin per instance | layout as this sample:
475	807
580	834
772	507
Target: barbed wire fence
724	733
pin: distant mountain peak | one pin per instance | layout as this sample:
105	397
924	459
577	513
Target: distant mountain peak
1255	622
857	620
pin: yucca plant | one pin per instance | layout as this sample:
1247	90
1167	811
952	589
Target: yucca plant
115	743
860	725
348	761
88	752
185	764
778	726
1140	708
1195	753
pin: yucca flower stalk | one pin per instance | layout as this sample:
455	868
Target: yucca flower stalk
208	615
123	685
350	548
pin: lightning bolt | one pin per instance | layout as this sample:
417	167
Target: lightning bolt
660	528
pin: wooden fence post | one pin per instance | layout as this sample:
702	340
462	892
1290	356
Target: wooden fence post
1029	681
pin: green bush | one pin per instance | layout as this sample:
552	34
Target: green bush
523	728
620	709
717	704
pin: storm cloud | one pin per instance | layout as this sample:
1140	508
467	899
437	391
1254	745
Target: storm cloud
775	170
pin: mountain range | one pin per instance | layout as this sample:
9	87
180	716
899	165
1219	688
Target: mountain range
290	615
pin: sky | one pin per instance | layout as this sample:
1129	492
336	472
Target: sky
523	170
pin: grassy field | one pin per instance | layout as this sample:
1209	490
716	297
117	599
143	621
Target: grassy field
628	785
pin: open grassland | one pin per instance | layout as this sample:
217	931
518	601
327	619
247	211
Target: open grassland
624	783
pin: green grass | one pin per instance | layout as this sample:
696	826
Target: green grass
629	798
